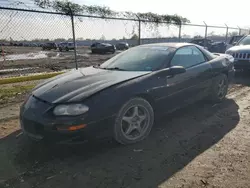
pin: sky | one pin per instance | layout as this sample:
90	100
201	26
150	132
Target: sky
213	12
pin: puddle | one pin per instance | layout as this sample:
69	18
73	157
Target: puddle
41	55
36	55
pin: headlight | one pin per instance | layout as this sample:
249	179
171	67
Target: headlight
229	52
70	110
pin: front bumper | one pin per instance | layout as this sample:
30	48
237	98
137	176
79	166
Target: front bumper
242	64
41	126
231	75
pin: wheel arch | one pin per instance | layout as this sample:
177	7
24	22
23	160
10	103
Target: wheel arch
148	98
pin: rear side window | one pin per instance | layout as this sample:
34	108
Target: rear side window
187	57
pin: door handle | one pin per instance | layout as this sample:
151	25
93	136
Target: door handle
170	76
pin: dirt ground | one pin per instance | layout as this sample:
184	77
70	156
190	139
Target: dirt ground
12	94
202	145
27	60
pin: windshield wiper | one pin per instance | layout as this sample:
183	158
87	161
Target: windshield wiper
114	68
96	66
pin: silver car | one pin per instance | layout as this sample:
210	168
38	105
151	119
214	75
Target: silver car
66	46
241	53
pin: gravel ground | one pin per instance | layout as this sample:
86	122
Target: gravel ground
202	145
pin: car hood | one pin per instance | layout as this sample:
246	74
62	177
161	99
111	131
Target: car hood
79	84
240	48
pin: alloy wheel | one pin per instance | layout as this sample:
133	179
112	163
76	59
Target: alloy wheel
135	122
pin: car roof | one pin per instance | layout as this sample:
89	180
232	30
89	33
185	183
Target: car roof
170	44
106	43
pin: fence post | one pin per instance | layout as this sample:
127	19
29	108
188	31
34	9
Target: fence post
239	30
73	32
139	40
205	43
180	32
139	29
226	32
3	53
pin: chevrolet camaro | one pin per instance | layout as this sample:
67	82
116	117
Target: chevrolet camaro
123	96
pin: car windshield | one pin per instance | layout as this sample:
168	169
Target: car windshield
138	59
245	41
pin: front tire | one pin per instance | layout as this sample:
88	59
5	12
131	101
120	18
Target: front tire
219	88
134	121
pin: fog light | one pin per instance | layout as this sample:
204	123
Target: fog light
72	128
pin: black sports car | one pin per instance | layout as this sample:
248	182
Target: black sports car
122	96
102	48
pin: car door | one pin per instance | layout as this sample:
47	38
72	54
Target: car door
94	47
189	86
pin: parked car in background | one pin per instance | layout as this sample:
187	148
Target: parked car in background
233	41
210	45
29	44
18	44
122	96
202	42
66	46
218	47
49	46
102	48
241	53
122	46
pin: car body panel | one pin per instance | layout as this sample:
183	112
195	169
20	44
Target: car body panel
81	84
187	87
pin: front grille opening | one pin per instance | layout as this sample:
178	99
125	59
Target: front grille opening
241	55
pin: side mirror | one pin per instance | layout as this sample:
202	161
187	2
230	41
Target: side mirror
176	70
234	43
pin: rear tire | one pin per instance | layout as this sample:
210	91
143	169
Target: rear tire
134	121
219	88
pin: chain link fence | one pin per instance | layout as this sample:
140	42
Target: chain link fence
30	39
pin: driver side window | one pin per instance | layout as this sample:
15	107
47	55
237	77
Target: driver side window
187	57
98	45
